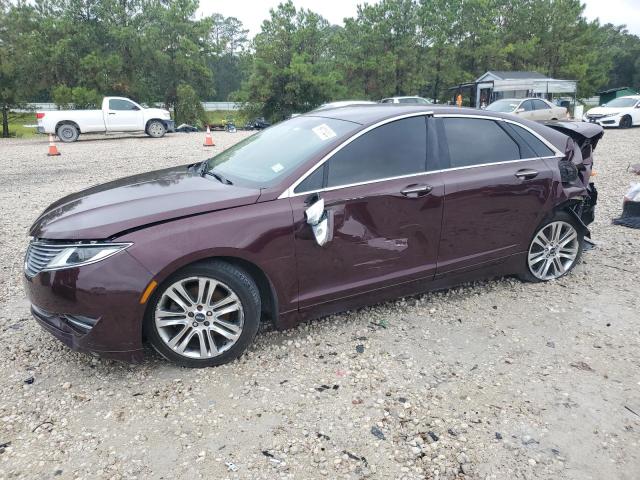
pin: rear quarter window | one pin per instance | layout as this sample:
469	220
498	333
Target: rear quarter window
536	146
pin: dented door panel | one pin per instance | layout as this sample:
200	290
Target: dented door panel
379	237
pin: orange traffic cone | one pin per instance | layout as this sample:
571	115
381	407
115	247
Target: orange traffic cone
53	150
208	139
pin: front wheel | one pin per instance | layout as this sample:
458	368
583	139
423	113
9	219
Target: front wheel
626	122
555	249
156	129
206	314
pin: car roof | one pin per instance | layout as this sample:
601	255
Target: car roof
367	115
343	103
520	99
370	114
403	96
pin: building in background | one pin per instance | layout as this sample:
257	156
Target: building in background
495	85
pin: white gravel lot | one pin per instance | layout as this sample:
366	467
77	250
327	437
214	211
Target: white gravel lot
498	380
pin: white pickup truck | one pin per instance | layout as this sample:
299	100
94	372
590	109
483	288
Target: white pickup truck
118	114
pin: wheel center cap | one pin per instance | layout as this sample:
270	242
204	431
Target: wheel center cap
200	317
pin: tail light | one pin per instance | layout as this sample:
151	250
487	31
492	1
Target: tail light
39	115
568	171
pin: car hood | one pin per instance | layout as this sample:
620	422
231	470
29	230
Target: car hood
605	110
156	110
108	209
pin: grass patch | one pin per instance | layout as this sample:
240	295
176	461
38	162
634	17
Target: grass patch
218	117
17	122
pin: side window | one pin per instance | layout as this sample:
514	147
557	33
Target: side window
312	182
408	100
473	141
540	105
536	148
527	105
118	104
397	148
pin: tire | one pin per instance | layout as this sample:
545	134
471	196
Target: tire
156	129
68	133
178	330
626	122
561	253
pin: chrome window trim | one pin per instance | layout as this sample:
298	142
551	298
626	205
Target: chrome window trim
289	192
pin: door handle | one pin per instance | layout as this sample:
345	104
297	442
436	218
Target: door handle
526	174
112	113
416	190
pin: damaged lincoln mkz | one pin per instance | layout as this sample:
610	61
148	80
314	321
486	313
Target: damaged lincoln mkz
325	212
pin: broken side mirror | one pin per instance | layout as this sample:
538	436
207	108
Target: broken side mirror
315	212
318	219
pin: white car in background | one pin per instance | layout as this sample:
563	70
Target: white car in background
118	114
405	100
623	112
536	109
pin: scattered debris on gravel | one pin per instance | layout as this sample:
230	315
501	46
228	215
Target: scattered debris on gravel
495	380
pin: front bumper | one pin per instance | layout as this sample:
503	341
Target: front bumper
170	125
604	121
94	308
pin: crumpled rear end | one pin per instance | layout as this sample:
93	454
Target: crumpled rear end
578	191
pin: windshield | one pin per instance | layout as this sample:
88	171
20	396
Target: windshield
264	157
621	103
504	106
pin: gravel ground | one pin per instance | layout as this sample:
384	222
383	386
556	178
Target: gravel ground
496	380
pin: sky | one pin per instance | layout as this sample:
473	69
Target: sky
252	12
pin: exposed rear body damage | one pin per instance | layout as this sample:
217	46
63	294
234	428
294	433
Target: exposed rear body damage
576	169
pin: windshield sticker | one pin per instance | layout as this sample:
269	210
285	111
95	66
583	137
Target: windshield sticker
277	167
324	132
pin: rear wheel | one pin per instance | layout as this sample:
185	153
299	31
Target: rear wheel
626	122
554	250
68	133
156	129
207	314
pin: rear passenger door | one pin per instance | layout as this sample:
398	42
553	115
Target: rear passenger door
497	185
543	110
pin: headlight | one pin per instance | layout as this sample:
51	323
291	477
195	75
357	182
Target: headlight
610	114
78	255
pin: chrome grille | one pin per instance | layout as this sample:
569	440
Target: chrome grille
39	254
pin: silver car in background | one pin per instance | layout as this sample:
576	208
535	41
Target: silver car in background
536	109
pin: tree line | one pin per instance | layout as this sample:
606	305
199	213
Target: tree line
74	51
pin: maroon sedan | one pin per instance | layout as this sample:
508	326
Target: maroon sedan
324	212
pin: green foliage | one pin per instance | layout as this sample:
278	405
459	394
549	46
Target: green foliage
77	97
188	108
292	68
146	49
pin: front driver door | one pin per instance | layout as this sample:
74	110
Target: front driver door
123	116
384	213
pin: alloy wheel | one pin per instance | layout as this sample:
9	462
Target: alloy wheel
199	317
553	250
156	129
